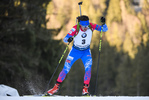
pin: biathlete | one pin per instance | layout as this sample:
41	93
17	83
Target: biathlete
80	50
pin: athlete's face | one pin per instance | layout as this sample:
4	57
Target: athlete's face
84	28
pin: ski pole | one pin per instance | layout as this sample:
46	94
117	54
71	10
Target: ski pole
57	66
80	3
103	21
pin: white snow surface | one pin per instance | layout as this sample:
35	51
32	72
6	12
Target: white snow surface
6	90
75	98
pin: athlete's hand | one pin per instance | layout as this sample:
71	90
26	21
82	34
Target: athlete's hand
70	39
105	28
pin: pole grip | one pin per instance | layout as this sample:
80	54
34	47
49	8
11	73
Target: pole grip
80	3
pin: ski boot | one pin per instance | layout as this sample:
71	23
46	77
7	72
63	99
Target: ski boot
53	90
85	90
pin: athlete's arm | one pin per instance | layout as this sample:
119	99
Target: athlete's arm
98	27
71	33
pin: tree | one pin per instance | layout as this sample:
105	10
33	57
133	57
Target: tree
28	53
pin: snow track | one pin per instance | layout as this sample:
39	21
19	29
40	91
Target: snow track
76	98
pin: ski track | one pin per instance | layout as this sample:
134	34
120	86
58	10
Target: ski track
75	98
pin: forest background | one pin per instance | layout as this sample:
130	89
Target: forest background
31	33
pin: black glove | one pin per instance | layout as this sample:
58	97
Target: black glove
70	39
103	20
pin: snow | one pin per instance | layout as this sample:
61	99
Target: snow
75	98
6	90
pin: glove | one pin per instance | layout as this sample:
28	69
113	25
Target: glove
104	28
70	39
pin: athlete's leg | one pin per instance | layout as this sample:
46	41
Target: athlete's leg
71	58
87	61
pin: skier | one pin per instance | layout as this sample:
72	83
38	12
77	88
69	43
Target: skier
80	50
